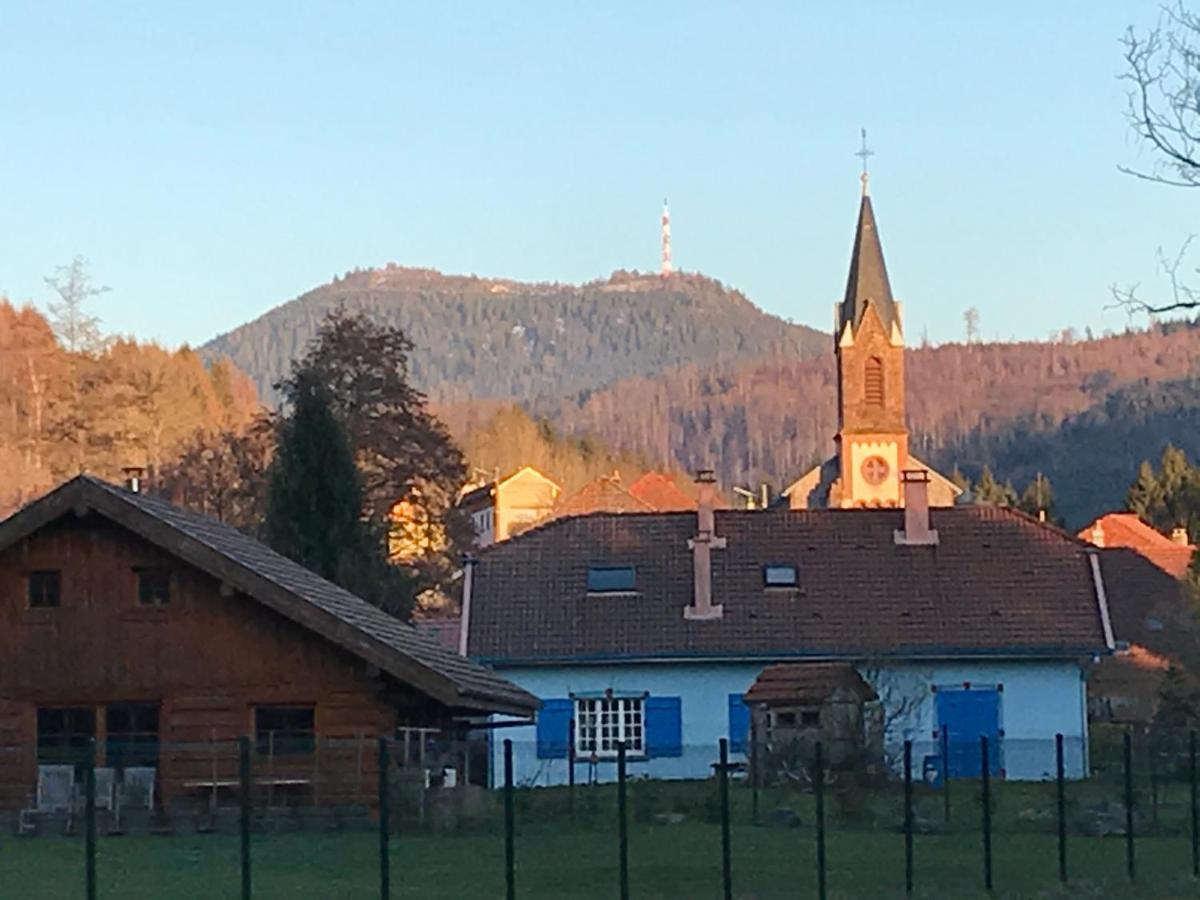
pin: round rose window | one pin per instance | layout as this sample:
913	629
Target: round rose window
875	469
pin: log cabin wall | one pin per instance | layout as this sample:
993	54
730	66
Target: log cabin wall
207	657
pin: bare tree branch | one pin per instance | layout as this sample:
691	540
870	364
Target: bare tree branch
1183	296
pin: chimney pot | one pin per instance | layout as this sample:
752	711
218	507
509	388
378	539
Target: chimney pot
915	483
1179	535
133	478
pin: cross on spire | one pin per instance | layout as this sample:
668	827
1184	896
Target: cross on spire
864	154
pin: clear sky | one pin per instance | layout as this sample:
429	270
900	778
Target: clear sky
214	160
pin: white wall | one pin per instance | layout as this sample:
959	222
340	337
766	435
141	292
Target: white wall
1038	700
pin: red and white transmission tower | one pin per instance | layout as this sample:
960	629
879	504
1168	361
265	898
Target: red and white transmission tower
666	239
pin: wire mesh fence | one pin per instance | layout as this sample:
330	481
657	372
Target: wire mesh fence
423	815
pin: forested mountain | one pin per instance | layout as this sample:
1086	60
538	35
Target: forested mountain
480	338
1022	407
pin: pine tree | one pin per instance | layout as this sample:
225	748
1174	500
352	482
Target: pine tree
1145	494
1038	498
314	492
989	492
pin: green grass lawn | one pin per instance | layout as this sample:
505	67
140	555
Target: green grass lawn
560	854
665	861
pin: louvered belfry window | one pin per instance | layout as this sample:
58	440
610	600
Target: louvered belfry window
874	382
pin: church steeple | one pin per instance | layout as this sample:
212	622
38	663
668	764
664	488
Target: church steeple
868	283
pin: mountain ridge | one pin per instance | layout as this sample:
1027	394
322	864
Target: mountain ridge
497	338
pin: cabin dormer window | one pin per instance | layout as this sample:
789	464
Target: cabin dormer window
779	575
154	586
873	382
44	589
611	579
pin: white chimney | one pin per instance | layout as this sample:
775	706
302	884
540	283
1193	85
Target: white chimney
702	545
915	483
133	478
1179	535
1097	537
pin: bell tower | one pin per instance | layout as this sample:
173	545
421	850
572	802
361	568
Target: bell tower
872	436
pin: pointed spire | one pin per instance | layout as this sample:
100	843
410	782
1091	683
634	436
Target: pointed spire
868	282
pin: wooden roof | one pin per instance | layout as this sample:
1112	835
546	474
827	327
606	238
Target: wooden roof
288	588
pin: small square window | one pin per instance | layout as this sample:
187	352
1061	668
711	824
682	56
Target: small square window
611	579
810	718
154	586
284	730
45	589
779	576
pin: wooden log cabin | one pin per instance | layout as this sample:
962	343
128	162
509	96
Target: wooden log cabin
164	636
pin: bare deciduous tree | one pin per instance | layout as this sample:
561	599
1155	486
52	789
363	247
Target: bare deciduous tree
1163	68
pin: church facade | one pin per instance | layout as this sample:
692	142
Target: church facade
872	438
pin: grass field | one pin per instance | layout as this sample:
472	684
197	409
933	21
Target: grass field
665	861
571	851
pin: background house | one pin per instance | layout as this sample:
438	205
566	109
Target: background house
506	505
652	627
163	635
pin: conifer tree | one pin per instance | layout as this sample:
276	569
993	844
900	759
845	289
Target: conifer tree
1145	494
315	504
314	492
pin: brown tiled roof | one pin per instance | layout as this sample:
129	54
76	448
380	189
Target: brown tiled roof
1148	606
661	492
998	582
1128	530
444	630
292	590
806	683
605	494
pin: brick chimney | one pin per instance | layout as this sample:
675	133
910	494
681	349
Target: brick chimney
1179	535
702	545
915	484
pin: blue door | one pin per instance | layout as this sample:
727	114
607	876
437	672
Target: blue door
967	715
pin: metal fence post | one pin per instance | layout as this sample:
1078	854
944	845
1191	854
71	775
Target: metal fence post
571	767
819	797
908	820
510	872
1062	808
753	770
726	862
1129	858
986	783
385	874
946	774
89	819
622	825
1195	808
246	801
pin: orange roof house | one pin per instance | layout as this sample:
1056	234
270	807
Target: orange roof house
662	493
1171	554
605	494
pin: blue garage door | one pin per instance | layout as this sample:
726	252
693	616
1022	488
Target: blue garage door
966	715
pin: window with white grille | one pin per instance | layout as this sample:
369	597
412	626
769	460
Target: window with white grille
601	723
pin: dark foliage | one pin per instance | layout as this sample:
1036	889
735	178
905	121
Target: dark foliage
315	502
479	338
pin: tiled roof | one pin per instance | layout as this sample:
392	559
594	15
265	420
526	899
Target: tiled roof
1128	530
443	630
605	494
661	493
1147	605
998	582
315	603
806	683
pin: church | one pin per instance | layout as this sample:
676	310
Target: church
872	456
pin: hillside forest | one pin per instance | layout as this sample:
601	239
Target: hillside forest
102	406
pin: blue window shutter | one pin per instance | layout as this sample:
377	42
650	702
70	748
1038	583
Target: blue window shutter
553	721
739	724
664	726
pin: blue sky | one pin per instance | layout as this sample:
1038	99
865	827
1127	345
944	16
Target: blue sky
214	160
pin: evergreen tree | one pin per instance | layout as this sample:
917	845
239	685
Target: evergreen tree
1038	498
314	492
315	503
1145	494
990	492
